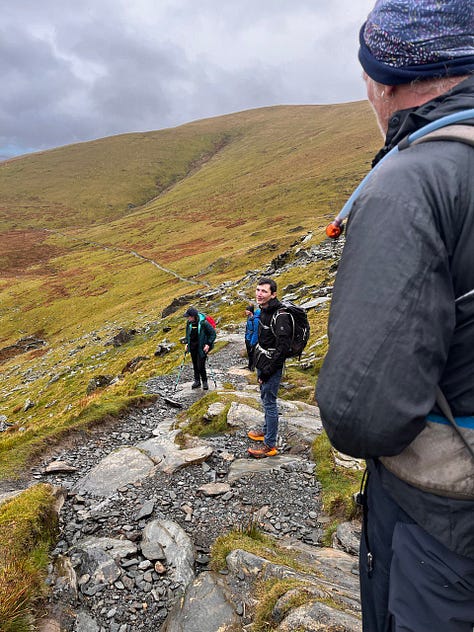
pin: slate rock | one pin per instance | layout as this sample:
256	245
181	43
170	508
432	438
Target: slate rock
98	381
214	489
214	410
244	416
117	469
315	302
59	467
85	623
242	467
205	607
133	364
99	559
347	537
122	337
177	547
317	616
169	457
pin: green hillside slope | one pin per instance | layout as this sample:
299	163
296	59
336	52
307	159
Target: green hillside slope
103	235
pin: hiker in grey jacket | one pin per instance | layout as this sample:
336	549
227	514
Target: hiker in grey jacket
402	323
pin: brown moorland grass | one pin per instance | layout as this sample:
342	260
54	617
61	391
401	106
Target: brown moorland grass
20	250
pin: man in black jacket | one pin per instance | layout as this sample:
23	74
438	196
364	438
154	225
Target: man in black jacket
402	323
274	340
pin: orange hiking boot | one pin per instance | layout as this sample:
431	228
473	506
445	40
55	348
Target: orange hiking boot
255	435
264	451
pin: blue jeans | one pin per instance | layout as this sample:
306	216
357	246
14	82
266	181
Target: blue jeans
268	394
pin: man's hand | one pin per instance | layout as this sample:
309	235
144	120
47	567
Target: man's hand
186	348
206	348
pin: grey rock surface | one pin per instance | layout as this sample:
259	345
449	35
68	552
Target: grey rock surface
244	416
177	547
124	465
206	606
243	467
317	616
85	623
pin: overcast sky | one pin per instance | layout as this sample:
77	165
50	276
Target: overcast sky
74	70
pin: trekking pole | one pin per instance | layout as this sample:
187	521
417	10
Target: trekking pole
211	372
180	370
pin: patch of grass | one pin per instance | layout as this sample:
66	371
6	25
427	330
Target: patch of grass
28	524
329	531
193	421
196	423
268	593
338	483
249	537
254	542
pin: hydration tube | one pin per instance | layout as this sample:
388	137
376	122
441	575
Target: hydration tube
335	228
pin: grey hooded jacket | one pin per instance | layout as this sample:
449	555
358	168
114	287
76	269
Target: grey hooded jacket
402	314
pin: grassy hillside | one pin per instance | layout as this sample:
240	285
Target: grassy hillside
103	235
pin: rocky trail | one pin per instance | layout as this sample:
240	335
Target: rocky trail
140	513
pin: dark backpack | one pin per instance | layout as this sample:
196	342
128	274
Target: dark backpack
301	329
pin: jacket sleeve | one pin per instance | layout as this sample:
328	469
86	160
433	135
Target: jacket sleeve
391	319
248	329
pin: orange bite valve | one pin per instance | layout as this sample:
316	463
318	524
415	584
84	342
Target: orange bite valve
333	230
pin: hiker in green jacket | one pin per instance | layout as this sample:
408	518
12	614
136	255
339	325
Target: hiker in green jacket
200	337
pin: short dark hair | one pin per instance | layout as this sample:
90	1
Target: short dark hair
270	282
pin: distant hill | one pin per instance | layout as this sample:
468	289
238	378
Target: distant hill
105	234
278	164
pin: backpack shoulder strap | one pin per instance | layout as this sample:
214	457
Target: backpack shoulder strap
461	133
283	310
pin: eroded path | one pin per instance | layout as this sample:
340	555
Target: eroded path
141	514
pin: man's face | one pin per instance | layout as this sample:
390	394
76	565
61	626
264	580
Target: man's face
263	294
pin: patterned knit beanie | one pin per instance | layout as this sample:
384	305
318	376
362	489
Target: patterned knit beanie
404	40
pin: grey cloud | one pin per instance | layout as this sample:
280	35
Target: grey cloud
99	68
